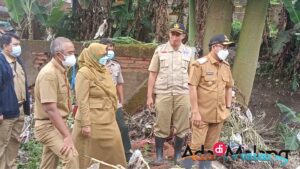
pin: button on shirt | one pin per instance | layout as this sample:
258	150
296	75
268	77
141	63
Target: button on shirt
211	77
172	68
51	86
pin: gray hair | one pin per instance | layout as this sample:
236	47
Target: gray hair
57	45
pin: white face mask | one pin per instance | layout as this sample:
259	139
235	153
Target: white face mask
16	51
69	61
222	54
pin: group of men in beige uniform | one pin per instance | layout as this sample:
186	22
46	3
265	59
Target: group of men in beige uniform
179	83
182	85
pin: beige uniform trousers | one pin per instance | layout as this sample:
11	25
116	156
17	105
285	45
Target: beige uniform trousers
10	131
207	134
52	142
172	110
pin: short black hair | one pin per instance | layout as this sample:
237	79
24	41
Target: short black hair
6	39
106	41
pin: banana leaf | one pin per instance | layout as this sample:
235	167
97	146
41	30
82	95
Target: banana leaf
15	10
293	11
289	113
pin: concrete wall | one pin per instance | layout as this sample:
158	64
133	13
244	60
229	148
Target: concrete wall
134	60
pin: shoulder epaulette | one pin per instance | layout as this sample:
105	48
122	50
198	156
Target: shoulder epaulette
226	63
202	60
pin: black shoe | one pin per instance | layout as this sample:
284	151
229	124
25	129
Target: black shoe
205	164
177	148
128	156
159	146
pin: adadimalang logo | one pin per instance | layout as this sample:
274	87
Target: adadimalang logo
222	150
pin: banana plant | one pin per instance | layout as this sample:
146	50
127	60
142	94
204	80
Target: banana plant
24	12
15	11
284	37
27	7
292	8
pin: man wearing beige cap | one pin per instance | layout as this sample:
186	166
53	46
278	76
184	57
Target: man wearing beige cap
168	81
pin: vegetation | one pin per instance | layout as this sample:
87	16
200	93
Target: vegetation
289	127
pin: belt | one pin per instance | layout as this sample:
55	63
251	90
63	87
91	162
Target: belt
48	118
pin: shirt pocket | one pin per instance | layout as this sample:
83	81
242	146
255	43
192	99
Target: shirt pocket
210	81
101	110
185	64
163	62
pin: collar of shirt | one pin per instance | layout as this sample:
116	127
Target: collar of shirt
110	62
169	48
58	66
212	59
9	59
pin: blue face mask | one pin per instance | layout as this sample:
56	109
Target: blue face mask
16	51
103	60
110	55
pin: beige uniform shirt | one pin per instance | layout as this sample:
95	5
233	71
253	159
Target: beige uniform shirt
211	77
19	78
51	85
116	73
172	68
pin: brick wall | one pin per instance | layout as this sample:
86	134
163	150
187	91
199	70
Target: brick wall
135	64
134	61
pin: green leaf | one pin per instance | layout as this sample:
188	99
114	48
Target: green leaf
296	26
291	142
55	16
295	82
15	10
40	13
84	3
279	44
293	12
291	114
297	5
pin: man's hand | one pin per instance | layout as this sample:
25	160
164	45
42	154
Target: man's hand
68	146
150	102
86	131
196	119
1	119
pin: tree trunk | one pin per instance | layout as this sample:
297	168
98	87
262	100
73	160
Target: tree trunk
192	22
201	14
160	20
218	20
245	63
92	18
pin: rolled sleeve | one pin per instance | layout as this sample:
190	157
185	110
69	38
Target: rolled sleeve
230	83
195	74
154	65
48	88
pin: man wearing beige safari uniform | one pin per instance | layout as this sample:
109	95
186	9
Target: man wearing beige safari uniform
168	80
52	107
210	94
